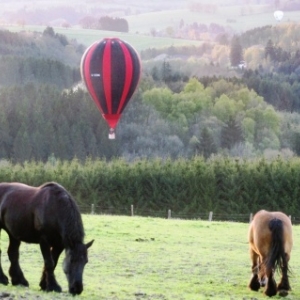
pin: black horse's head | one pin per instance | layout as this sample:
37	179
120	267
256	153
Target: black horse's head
74	262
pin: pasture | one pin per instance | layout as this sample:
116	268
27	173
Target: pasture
153	258
227	16
89	36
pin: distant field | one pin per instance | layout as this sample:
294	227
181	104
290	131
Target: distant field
87	37
151	258
235	18
226	16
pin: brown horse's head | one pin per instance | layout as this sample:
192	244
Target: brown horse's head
74	262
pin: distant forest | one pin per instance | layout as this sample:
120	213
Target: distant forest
46	113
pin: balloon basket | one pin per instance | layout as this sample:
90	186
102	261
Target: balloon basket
111	134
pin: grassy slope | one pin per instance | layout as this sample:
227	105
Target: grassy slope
161	20
151	258
88	36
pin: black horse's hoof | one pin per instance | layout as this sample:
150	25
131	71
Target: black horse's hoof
254	285
54	288
49	286
43	286
270	292
57	290
51	289
4	279
22	282
283	293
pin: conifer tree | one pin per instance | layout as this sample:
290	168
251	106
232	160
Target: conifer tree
236	51
207	145
231	134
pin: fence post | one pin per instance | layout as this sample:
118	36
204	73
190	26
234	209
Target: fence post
251	218
93	209
169	214
210	216
132	212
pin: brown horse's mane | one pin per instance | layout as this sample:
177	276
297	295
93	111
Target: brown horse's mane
71	223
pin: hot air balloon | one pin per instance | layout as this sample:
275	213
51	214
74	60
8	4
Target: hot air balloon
110	70
278	15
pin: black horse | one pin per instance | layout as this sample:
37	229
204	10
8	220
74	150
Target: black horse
48	216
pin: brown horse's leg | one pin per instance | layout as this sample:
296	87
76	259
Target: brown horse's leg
284	285
254	282
48	282
271	288
15	272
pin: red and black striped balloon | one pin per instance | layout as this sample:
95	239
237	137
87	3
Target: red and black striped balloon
110	70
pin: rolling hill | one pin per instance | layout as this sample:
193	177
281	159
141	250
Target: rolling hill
143	18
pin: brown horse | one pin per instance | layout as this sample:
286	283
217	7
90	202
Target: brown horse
48	216
271	241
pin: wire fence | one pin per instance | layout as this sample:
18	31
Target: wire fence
169	214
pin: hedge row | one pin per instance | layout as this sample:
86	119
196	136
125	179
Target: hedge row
195	186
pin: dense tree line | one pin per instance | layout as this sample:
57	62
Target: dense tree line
190	187
113	24
46	45
277	89
105	23
285	36
185	51
39	121
22	70
47	58
282	91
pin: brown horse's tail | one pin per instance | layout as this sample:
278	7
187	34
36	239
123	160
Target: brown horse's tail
277	256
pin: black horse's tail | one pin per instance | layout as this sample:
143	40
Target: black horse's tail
276	259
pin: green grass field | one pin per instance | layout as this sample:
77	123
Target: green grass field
152	258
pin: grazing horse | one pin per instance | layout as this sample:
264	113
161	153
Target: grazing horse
271	242
48	216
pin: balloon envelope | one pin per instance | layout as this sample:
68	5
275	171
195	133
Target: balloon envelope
110	70
278	15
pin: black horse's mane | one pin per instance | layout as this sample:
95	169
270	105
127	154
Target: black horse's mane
71	223
50	184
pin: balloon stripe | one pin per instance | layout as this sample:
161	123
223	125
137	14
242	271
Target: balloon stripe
128	77
106	71
87	74
136	64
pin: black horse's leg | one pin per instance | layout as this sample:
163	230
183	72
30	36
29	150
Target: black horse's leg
3	277
284	285
48	282
55	252
254	283
15	272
